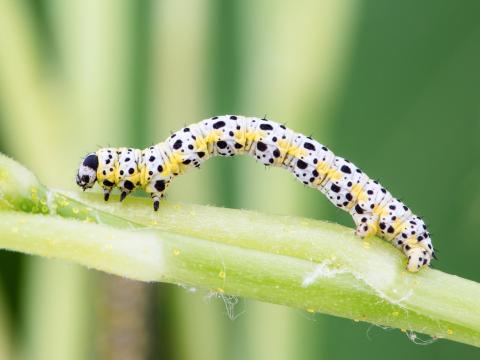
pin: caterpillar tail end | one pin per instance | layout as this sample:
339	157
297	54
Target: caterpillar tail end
417	258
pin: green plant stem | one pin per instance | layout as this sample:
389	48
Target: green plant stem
308	264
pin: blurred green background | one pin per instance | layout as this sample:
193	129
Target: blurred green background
392	85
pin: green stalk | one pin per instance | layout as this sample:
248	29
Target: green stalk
20	190
303	263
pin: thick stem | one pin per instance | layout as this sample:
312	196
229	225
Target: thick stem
151	255
303	263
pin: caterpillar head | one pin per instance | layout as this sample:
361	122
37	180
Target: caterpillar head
87	171
417	258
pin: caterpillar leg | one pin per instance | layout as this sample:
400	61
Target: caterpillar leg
106	193
126	187
366	226
157	192
417	257
156	197
123	195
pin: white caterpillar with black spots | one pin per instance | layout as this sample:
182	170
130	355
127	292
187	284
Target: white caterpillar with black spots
374	210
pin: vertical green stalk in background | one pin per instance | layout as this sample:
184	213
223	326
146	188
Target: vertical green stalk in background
29	96
291	60
139	72
225	84
55	313
93	61
178	96
93	41
34	109
84	89
131	301
104	66
225	71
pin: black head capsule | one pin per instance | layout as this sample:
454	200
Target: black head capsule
87	171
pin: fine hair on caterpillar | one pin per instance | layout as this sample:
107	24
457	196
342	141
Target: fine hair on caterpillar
374	210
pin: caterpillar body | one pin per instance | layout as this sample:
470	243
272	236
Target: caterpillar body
374	210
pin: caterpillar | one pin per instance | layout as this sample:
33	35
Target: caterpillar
374	210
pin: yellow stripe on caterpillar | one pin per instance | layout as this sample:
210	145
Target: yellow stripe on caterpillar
357	192
380	211
173	166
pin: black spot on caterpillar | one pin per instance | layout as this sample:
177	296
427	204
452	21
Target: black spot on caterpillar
374	210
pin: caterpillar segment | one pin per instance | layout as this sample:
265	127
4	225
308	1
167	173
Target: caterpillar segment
374	210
